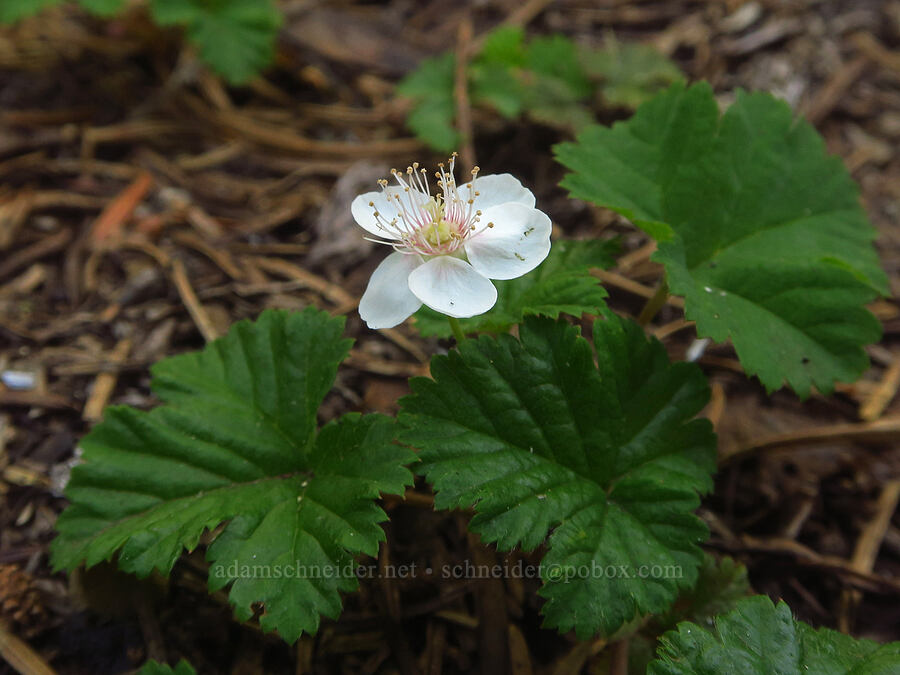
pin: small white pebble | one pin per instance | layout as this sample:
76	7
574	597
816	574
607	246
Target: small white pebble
20	380
695	351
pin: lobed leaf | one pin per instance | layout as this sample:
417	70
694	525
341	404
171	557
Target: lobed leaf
630	73
605	459
236	442
561	284
547	78
556	57
431	87
758	228
495	74
759	638
721	584
235	37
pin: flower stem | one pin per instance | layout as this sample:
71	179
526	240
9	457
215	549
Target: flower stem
457	329
654	304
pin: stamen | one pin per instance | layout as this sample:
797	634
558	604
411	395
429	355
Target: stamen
429	224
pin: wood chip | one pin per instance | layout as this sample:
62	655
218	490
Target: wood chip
43	247
112	219
867	546
189	298
883	394
20	656
105	383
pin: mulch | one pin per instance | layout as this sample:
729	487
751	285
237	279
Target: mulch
145	207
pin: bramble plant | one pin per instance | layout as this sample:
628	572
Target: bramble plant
236	38
587	448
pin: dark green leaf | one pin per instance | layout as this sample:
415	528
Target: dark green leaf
236	442
561	284
759	229
156	668
759	638
721	584
537	439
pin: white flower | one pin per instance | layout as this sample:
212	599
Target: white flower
449	245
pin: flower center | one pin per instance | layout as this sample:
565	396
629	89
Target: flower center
439	232
427	224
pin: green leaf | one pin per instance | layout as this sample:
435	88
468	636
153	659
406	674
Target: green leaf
498	86
561	284
721	584
13	10
431	86
171	12
504	46
556	57
759	638
558	84
495	74
759	229
156	668
102	7
235	37
608	458
630	73
552	102
236	442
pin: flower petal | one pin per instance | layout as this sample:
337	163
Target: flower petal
496	189
517	243
388	301
453	287
385	203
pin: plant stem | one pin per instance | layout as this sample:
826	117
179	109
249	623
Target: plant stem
457	329
654	304
618	657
